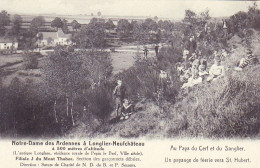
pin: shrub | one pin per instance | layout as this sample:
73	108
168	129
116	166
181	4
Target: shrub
24	111
142	80
31	60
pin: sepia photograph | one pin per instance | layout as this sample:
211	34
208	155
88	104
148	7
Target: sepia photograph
154	69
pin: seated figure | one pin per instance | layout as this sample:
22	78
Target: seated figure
193	57
224	53
202	69
249	60
186	75
180	68
195	78
127	110
216	70
185	54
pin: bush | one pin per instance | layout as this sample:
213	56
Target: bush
142	80
25	112
31	60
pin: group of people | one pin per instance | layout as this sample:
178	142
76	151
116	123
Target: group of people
194	69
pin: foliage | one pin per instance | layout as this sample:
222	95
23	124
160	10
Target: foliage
142	80
29	109
74	76
190	17
4	21
65	28
37	23
244	20
109	25
146	32
16	27
204	16
99	13
31	60
123	28
57	22
28	40
75	25
91	35
24	111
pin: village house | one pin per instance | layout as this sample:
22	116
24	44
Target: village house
7	45
54	38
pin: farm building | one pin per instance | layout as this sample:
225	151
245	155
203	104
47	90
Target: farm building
8	45
54	38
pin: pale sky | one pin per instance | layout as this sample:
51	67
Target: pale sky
161	8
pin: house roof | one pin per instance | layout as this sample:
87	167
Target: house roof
7	40
61	34
55	35
47	35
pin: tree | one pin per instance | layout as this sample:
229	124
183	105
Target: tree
91	35
254	16
93	21
65	28
160	24
238	22
133	24
99	13
168	26
155	18
204	16
57	23
36	23
150	24
147	32
29	39
16	27
190	17
109	25
69	75
63	77
4	21
123	28
75	25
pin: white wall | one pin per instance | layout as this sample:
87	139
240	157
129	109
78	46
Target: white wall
8	45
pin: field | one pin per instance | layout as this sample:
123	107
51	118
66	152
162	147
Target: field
6	60
122	60
13	67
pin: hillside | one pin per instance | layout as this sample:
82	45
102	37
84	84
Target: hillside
226	108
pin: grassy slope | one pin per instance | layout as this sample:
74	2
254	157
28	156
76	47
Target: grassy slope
229	107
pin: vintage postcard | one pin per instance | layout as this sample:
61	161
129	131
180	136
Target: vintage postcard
133	83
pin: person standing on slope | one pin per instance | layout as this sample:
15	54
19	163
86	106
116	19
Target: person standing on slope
119	93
